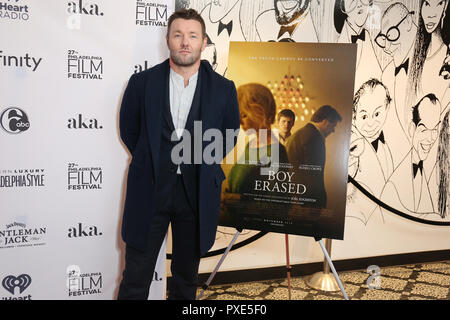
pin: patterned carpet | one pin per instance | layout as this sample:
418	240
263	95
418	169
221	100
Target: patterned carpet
429	281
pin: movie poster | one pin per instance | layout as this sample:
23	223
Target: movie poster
288	171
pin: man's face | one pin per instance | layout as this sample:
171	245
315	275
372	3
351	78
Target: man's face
329	127
357	11
220	8
285	125
185	42
371	112
392	26
287	11
426	132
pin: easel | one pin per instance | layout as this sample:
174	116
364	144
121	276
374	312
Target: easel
238	232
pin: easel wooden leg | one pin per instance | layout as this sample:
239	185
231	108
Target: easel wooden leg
288	266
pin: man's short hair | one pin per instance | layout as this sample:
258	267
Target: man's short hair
369	84
287	113
326	112
415	109
187	14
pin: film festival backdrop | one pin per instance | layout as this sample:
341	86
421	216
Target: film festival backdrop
65	64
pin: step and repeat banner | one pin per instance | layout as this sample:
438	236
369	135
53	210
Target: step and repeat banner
63	68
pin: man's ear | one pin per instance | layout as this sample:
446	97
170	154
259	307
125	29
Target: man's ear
205	42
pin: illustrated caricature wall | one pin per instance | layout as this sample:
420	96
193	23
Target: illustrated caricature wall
398	164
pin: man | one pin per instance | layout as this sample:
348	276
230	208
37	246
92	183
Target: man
157	105
397	36
289	21
286	120
408	189
307	154
370	109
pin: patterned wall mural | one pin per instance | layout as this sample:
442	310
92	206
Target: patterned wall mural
400	138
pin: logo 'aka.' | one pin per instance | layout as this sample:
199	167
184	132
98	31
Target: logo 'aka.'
11	282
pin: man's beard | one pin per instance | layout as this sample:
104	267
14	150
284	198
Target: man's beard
285	19
185	62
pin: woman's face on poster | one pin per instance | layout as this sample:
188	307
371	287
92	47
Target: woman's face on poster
357	11
432	13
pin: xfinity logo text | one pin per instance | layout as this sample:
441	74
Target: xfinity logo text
19	61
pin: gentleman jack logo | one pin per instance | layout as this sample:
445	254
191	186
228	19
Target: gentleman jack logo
18	235
151	14
85	67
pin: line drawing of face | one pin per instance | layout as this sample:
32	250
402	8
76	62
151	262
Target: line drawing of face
220	8
185	42
396	25
425	133
287	11
371	112
357	11
432	12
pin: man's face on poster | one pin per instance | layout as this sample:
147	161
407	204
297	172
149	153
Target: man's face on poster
220	8
287	11
425	133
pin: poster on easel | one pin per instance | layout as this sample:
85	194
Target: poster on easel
288	171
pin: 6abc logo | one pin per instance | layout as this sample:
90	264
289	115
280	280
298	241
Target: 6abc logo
14	120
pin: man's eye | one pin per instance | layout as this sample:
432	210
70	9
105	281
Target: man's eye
364	117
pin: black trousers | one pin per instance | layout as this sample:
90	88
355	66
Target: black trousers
173	207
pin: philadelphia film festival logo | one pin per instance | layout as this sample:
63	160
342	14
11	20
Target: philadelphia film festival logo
22	178
82	122
26	61
14	120
84	178
17	234
82	284
79	9
150	13
84	67
16	286
14	10
81	231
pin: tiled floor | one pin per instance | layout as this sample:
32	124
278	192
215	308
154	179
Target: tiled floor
430	281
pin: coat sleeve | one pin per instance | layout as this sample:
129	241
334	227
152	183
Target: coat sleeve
129	120
231	119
